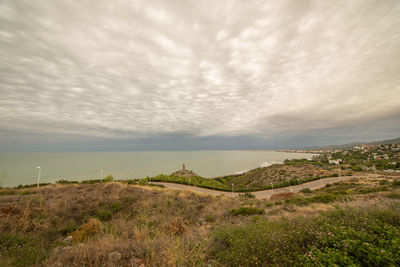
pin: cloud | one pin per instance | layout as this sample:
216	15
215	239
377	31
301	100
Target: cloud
137	69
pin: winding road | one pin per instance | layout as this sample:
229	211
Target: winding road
265	193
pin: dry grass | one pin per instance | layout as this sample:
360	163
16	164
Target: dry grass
148	226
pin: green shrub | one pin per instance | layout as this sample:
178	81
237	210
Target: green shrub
210	218
144	181
383	182
393	195
269	204
306	190
104	214
328	185
356	168
325	198
27	192
246	211
338	238
301	201
71	227
62	181
109	178
115	207
7	192
21	250
396	183
259	243
247	195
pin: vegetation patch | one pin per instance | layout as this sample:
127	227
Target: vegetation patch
306	190
246	211
18	250
86	231
341	237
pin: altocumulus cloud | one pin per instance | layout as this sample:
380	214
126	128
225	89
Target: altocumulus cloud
198	69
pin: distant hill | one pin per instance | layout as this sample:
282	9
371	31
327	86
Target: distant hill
350	145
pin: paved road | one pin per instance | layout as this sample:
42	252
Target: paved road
265	193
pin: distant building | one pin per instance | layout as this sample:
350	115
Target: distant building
335	161
367	146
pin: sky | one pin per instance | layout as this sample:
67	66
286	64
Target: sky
188	74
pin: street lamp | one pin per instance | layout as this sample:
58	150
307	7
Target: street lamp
101	175
38	179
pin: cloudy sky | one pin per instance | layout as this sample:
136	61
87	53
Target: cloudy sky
182	74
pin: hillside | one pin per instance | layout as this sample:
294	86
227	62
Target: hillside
292	172
117	224
351	145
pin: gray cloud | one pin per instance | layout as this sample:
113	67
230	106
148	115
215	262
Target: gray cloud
141	69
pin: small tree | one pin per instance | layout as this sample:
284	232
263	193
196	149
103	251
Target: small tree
109	178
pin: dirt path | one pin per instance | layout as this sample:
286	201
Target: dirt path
265	193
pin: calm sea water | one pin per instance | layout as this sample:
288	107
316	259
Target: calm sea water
20	168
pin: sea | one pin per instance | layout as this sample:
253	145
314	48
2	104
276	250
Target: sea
22	168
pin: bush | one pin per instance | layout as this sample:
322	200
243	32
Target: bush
393	195
86	231
105	213
71	227
7	192
17	250
396	183
247	195
383	182
62	181
109	178
306	190
337	238
246	211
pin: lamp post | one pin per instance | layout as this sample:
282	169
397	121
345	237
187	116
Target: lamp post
101	175
38	179
299	183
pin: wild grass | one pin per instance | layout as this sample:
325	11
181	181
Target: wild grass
153	226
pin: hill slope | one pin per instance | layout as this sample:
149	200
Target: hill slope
350	145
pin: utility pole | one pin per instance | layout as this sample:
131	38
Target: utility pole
38	179
101	175
233	191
